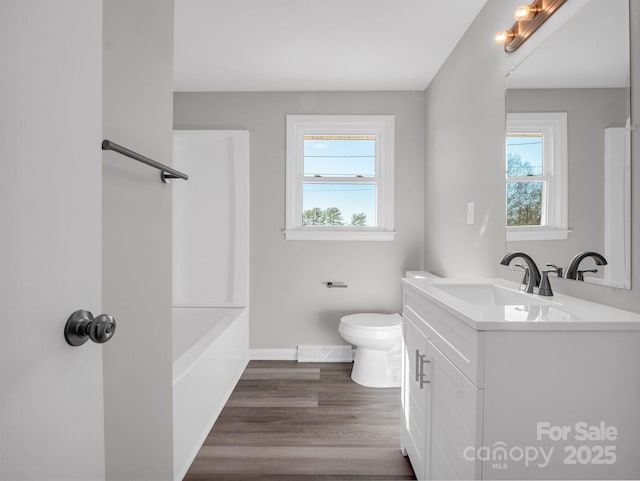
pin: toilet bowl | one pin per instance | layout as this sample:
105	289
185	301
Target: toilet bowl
378	341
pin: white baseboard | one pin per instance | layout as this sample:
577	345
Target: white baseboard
273	354
342	353
337	355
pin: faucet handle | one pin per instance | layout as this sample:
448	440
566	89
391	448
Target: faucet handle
581	273
545	285
525	278
556	269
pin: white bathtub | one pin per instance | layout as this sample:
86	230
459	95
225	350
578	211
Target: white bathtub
210	282
210	351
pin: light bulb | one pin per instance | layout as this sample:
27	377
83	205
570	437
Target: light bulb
526	12
504	37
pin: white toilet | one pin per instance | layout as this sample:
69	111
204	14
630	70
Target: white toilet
378	339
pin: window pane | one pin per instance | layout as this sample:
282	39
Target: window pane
339	155
524	154
524	203
348	204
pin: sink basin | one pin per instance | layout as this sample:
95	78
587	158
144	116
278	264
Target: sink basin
498	304
487	294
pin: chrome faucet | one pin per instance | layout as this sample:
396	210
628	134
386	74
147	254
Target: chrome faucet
572	270
531	277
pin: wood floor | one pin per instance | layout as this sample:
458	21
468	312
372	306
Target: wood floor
287	421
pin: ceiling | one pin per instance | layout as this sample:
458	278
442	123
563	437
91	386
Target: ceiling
313	45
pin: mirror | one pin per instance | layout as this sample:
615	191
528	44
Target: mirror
568	145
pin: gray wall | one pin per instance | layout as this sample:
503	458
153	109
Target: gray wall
290	305
138	110
465	151
589	112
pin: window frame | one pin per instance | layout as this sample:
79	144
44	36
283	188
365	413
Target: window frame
383	127
553	127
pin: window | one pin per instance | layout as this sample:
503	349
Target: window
339	177
536	176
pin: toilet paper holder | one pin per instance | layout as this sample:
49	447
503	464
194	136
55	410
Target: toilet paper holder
331	284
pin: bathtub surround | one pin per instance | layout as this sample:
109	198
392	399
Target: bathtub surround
211	219
137	97
290	303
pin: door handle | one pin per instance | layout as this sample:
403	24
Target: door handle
421	360
82	326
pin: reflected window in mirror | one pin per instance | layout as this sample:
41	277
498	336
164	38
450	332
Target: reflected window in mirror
536	176
526	179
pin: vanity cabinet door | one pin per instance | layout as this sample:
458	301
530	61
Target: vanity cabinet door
454	420
414	398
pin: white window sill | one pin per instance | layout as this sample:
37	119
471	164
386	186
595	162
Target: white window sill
339	235
536	233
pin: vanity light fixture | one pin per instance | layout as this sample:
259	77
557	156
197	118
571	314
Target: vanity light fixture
504	36
528	20
527	12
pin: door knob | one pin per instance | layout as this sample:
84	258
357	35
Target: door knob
82	326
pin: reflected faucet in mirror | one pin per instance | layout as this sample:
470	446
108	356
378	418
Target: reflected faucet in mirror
531	277
572	270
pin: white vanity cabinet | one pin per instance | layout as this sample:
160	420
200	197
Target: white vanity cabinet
414	396
441	405
538	400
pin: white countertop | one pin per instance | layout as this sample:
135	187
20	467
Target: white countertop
556	313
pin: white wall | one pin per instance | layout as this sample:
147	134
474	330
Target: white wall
290	305
51	409
138	52
465	106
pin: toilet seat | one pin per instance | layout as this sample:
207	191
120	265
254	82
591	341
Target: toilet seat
373	321
371	326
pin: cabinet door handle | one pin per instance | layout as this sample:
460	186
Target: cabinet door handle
423	375
421	360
